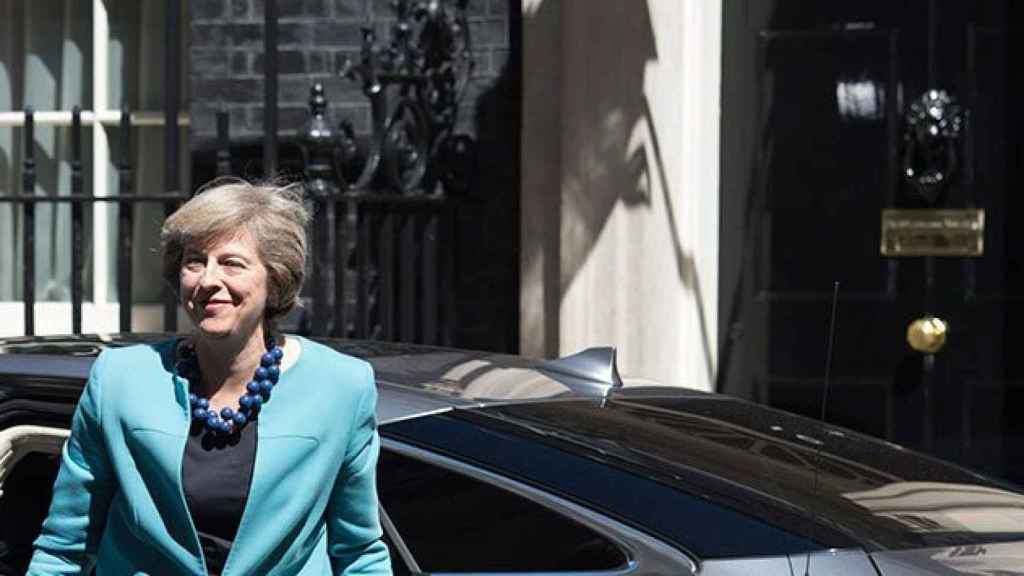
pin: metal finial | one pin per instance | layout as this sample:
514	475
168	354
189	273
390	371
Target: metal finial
317	100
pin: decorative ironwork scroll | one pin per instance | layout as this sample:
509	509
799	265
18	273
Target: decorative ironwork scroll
381	246
415	83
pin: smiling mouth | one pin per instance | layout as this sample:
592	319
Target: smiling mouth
214	304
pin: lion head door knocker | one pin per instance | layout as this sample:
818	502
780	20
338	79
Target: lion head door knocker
931	141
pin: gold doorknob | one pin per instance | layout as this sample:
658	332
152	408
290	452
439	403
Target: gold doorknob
927	335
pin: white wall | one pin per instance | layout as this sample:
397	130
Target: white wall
620	183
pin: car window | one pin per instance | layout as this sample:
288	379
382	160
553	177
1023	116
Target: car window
704	520
454	523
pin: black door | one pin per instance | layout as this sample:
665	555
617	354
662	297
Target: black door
818	98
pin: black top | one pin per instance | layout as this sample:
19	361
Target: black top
216	473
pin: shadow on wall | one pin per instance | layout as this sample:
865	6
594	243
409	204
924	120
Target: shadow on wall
605	47
487	224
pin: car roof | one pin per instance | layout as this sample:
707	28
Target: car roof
413	380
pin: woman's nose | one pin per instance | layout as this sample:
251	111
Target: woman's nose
210	276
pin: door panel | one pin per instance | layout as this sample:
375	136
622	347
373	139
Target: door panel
816	97
833	86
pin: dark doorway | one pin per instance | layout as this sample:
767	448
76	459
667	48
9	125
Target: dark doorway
816	102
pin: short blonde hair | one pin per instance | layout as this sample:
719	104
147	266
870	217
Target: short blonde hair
274	215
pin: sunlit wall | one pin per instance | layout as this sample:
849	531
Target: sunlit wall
620	160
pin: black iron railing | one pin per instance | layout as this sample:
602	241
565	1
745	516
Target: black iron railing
382	260
172	183
125	200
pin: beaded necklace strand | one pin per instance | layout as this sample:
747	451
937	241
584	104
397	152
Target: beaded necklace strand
258	390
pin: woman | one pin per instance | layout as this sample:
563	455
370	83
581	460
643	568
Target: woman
235	450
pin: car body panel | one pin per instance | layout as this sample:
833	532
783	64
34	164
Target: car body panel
1001	559
832	563
763	566
45	366
825	563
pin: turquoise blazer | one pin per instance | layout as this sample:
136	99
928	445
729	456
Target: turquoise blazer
118	500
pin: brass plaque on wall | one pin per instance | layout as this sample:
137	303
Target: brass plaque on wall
933	232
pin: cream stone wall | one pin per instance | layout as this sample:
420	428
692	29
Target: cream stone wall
620	183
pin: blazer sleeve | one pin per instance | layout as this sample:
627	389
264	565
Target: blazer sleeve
353	521
82	493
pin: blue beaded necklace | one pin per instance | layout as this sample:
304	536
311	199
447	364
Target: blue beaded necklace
229	421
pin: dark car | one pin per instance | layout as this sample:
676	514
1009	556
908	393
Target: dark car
496	463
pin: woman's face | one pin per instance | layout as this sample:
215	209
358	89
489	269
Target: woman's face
224	287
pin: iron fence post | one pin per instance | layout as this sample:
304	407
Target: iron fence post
270	88
223	144
172	184
77	218
318	154
126	222
28	186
